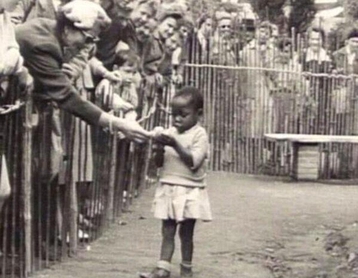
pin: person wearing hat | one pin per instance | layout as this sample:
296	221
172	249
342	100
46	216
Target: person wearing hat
199	41
345	61
180	55
44	44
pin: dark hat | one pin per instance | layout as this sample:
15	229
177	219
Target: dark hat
169	10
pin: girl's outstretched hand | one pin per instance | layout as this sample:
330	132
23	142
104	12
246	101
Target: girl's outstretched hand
166	139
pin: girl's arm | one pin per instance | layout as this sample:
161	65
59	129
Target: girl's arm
184	153
193	157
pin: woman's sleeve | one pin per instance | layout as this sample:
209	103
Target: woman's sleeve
56	86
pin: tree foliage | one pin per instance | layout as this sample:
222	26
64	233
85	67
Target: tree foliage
302	15
268	9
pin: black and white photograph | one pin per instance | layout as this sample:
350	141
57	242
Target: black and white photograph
179	138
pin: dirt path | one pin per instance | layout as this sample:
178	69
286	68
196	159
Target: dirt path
263	228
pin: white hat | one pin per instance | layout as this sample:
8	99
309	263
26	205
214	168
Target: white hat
86	15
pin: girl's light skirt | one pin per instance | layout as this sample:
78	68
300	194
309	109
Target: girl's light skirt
179	202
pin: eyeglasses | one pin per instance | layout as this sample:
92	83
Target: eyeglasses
90	38
225	27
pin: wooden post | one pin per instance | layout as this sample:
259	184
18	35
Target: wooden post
112	179
26	183
306	161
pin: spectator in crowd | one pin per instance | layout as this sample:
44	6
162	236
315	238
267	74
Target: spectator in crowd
203	36
315	59
122	27
180	54
167	17
286	86
345	61
257	84
222	48
198	44
273	40
121	97
11	64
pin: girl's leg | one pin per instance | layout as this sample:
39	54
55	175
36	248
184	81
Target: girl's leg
186	233
169	228
162	270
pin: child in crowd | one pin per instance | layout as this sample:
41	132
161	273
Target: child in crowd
121	97
181	196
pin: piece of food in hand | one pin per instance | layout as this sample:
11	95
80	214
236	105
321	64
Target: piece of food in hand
157	131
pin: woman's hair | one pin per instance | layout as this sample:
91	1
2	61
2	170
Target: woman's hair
203	18
193	94
128	57
265	25
317	30
186	23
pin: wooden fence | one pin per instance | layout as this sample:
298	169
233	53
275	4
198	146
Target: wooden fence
250	91
69	181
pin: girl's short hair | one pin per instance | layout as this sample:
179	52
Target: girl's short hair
193	94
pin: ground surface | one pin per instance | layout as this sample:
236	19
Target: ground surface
262	228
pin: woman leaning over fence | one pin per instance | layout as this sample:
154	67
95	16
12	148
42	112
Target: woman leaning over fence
42	42
11	64
46	46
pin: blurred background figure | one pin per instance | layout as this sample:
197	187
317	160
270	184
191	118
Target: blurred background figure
11	64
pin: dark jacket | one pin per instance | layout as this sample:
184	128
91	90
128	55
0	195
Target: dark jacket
43	54
109	39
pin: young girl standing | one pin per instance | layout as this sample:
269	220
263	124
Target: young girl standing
181	196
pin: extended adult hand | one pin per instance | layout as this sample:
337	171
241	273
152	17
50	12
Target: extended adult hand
70	70
178	79
131	130
159	79
26	81
113	76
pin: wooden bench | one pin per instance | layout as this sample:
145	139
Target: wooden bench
306	155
